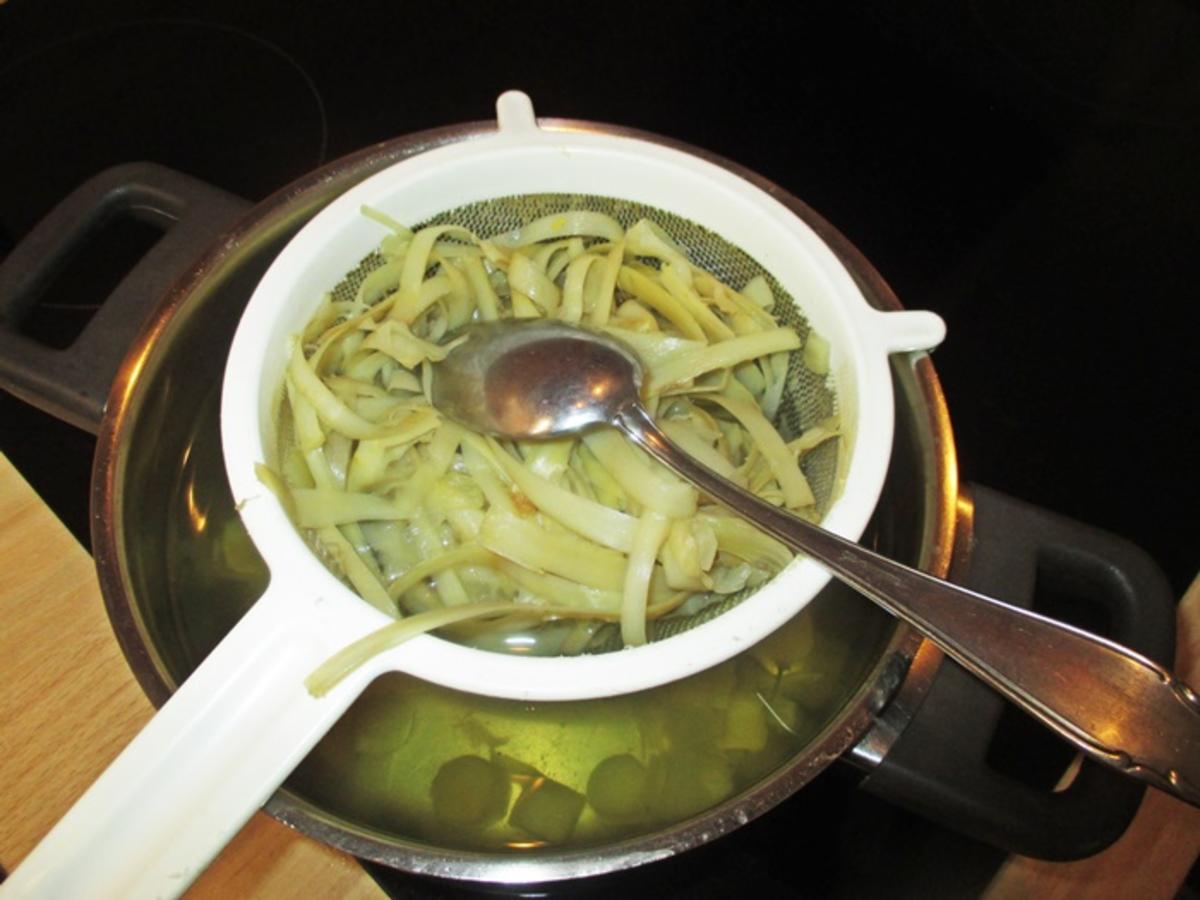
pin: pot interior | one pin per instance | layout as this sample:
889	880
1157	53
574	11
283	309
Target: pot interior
415	773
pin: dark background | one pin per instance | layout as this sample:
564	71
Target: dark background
1029	170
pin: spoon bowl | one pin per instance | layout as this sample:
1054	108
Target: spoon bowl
536	380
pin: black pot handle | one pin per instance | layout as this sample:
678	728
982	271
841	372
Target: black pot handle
940	766
73	383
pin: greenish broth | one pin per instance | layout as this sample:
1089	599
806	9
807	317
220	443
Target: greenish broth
607	769
435	766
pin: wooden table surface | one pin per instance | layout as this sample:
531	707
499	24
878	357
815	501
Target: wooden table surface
68	703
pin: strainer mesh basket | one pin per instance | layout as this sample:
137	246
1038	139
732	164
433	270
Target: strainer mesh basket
807	400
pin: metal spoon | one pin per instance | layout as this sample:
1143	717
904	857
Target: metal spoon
521	379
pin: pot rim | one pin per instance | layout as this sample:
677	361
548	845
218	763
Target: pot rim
885	684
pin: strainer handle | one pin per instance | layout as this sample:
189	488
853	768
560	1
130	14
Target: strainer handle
1112	703
205	763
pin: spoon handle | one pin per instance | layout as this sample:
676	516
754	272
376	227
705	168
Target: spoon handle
1113	704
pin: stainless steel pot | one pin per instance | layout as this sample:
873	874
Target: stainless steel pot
176	572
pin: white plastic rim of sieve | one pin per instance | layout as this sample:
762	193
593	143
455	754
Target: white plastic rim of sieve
523	158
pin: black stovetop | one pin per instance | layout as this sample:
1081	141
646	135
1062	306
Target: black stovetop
1027	170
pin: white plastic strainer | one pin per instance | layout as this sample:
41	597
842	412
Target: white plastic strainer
525	159
243	720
